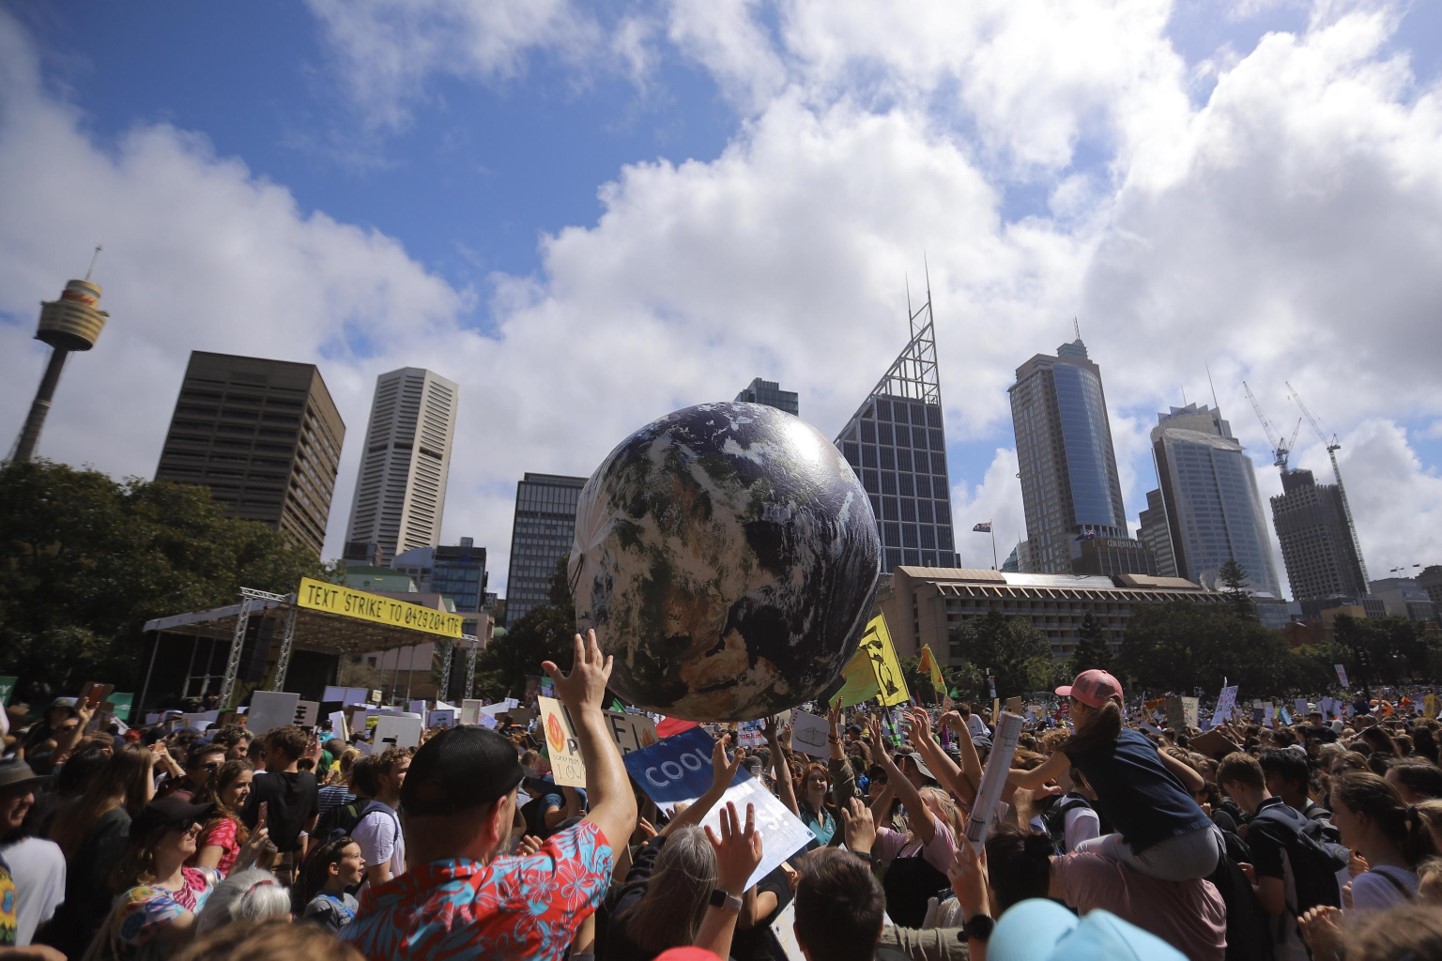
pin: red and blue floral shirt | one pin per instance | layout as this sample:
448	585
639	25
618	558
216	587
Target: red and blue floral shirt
514	907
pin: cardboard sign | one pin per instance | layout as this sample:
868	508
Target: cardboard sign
339	727
402	731
307	713
1269	713
1192	711
358	721
470	710
347	696
1214	744
1013	705
809	733
1226	703
1342	676
1176	718
1430	705
270	710
631	732
678	769
442	717
749	734
562	747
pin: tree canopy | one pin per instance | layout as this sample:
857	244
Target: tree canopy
543	634
1016	654
86	560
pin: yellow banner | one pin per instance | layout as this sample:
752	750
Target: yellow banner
860	686
334	599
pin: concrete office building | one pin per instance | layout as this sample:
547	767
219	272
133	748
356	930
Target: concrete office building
542	532
769	392
1152	531
896	444
1070	489
926	604
1317	546
1211	511
263	435
456	572
400	492
1404	597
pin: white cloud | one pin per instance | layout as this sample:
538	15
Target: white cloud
997	499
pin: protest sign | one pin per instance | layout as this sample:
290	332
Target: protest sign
1430	705
1214	744
270	710
1226	703
1269	713
347	696
202	720
398	731
470	710
631	732
808	734
784	928
307	714
562	747
993	779
1342	676
1192	711
749	734
338	726
678	770
1176	718
417	707
121	704
1013	705
1299	707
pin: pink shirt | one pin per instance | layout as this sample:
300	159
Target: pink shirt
939	853
1188	915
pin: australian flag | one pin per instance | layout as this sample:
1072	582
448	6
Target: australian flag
1087	534
984	527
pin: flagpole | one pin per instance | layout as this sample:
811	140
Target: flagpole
992	532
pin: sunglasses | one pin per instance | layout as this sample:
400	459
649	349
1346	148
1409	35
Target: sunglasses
184	827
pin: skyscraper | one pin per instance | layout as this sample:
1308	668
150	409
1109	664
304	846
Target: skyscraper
1317	545
1070	490
542	533
263	435
1153	532
896	445
769	392
400	493
1211	511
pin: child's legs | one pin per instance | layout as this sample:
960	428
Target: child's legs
1181	858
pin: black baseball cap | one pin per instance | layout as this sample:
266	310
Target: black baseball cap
167	812
461	767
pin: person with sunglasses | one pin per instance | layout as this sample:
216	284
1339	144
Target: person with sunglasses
200	766
158	897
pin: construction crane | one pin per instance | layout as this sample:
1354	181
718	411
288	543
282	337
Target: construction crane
1333	446
1279	449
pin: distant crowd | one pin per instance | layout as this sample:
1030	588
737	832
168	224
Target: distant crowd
1110	835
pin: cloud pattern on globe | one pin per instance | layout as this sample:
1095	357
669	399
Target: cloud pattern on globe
728	557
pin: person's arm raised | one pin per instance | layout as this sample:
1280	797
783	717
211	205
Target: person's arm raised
613	806
785	789
723	772
738	852
916	811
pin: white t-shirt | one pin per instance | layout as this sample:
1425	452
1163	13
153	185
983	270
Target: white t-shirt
977	726
381	840
38	870
1082	824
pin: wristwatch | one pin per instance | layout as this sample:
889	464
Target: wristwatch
980	927
726	901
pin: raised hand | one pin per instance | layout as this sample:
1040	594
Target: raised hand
723	771
920	723
1322	930
969	880
859	827
738	849
584	689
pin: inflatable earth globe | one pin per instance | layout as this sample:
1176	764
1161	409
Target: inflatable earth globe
727	556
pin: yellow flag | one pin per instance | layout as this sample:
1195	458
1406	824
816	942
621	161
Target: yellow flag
876	644
928	665
861	686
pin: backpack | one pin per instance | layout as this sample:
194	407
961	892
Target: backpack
1315	858
1054	818
1248	935
341	820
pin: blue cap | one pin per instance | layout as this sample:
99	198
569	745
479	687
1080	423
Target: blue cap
1039	930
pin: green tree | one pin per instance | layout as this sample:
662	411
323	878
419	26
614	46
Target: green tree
85	561
1016	654
1093	649
1234	583
1183	645
543	634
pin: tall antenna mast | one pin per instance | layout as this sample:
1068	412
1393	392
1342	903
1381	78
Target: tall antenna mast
1215	405
93	258
1076	326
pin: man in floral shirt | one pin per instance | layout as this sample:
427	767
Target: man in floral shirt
457	807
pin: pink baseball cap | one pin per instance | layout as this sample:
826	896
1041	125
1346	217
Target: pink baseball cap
1093	688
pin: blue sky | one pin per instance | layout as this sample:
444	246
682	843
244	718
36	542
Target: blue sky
589	215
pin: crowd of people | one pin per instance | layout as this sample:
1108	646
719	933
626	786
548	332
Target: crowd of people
1110	838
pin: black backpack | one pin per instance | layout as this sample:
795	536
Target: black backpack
1054	819
341	820
1315	857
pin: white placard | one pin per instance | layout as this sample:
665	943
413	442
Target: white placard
784	927
1300	707
993	779
346	696
1192	711
562	748
783	832
470	710
808	734
393	731
338	726
418	707
1269	713
270	710
307	713
202	720
442	717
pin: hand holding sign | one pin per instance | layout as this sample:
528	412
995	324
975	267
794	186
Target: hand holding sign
738	850
585	687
